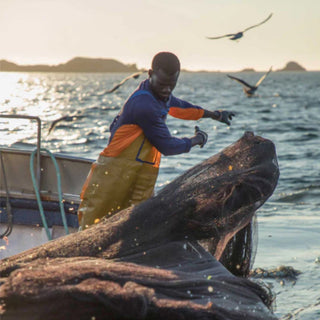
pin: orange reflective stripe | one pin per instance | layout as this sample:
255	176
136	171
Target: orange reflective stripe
85	185
186	114
122	138
156	157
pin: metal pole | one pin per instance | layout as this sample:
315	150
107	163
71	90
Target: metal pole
15	116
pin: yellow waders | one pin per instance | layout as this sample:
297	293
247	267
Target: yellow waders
115	183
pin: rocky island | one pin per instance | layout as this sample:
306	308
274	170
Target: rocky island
293	66
78	64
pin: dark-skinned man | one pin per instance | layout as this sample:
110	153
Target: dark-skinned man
126	171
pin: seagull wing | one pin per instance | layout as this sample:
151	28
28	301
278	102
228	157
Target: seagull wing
263	77
226	35
117	86
256	25
55	122
241	81
65	118
136	75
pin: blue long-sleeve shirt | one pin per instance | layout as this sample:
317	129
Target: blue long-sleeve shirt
144	110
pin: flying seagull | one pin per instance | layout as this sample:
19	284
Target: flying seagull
76	116
67	118
117	86
238	35
248	88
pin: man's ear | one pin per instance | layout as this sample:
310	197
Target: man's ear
150	72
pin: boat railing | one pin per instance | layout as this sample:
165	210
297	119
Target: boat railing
16	116
36	180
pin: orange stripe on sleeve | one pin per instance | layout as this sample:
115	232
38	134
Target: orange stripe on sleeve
122	138
186	114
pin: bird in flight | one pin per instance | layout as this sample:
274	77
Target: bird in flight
117	86
238	35
248	88
73	117
67	118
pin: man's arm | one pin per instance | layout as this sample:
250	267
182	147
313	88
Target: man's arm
157	132
185	110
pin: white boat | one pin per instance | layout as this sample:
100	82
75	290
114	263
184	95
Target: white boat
39	195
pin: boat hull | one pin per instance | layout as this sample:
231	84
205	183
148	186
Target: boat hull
21	222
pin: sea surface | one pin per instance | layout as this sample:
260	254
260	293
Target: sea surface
285	110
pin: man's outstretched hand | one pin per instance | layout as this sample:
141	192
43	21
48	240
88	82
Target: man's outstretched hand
219	115
223	116
202	135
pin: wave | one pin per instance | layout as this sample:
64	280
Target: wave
311	192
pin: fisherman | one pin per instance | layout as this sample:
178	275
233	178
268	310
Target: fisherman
126	171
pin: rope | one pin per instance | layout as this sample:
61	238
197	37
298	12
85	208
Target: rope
36	189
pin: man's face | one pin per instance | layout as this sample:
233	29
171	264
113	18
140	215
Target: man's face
162	84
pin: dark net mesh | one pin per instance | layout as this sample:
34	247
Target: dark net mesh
239	254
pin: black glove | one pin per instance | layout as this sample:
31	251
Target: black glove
225	116
202	134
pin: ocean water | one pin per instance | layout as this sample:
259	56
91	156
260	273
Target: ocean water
285	110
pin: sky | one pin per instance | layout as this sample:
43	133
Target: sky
133	31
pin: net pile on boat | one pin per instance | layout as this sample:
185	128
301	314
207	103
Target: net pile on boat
159	259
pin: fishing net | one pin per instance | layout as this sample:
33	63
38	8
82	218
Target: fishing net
239	254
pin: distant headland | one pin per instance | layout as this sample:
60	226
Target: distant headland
77	64
81	64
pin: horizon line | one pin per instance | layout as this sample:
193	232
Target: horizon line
245	69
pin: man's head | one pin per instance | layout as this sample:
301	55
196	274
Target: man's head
163	75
